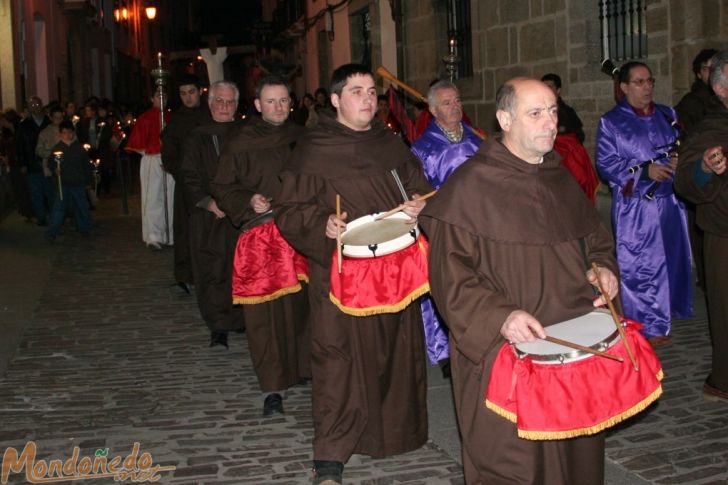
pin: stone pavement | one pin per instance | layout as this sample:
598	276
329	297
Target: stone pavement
111	355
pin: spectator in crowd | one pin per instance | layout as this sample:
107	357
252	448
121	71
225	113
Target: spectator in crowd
701	178
691	109
40	186
569	121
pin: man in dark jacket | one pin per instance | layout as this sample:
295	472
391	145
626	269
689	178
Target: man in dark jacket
690	111
40	186
701	179
190	115
693	106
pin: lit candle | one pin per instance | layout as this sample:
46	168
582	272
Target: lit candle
452	47
57	157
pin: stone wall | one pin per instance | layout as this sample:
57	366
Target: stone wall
533	37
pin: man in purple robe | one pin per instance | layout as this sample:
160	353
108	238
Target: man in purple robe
444	146
635	153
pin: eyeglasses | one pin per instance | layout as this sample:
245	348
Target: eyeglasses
641	82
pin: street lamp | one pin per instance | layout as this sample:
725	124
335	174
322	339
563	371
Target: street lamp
151	12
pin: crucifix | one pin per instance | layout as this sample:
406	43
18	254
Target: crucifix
214	56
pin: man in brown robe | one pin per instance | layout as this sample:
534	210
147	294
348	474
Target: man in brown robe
701	178
212	235
369	382
247	180
190	115
506	234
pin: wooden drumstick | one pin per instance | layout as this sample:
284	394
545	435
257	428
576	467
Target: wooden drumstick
615	317
338	232
402	206
583	348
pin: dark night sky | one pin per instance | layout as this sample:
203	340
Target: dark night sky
232	18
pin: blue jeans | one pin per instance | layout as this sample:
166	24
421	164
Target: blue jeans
75	198
41	195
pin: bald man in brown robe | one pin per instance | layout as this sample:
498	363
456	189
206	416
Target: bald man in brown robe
506	232
247	180
369	376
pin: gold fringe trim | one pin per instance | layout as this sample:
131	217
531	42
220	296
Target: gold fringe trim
253	300
574	433
376	310
302	277
502	412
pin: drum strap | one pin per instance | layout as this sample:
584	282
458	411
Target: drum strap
399	184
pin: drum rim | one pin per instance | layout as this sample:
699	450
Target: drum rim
572	355
360	251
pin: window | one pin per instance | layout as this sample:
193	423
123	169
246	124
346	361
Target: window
458	30
624	35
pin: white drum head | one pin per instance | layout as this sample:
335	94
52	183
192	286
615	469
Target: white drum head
365	232
595	330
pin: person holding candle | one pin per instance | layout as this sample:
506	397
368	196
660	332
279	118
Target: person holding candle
72	169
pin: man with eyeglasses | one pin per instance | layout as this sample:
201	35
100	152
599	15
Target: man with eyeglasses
267	272
636	153
211	234
190	115
701	178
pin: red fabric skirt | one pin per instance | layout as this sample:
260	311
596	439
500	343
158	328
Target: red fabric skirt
385	284
559	401
266	267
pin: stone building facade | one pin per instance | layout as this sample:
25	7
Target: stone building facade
533	37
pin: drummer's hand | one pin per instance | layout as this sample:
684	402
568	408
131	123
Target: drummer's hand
520	326
333	223
259	204
413	207
608	282
212	207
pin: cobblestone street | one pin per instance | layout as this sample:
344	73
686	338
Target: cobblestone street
112	354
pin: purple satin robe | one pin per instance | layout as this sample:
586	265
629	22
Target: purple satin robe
653	249
439	159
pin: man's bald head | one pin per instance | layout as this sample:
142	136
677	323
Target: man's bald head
527	114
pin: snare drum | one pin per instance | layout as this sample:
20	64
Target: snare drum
554	392
366	237
595	330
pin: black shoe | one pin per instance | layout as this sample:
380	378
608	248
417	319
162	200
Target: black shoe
218	337
186	287
445	368
327	472
273	404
